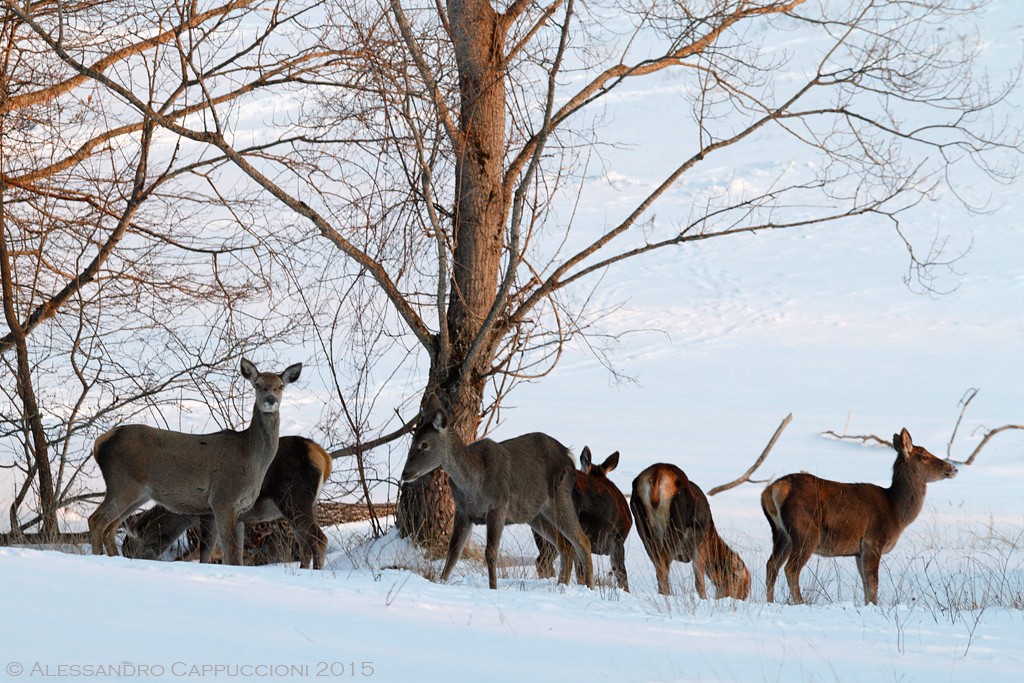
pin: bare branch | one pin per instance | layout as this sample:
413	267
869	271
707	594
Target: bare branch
868	438
375	443
757	463
988	435
443	112
965	401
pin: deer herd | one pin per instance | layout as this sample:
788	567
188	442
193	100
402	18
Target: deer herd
219	482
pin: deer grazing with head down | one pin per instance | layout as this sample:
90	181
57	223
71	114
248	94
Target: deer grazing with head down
191	474
674	522
290	489
603	513
525	480
809	516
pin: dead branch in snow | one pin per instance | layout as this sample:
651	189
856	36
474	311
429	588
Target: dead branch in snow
757	463
964	402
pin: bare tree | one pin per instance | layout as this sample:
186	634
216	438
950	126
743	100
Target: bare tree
429	142
108	294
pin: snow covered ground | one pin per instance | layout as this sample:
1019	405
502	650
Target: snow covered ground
133	620
734	335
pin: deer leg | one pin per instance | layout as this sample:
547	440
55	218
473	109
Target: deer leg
312	542
662	562
461	530
310	539
230	531
699	572
319	547
568	524
799	555
495	520
546	553
868	561
207	538
581	579
567	558
781	547
549	544
618	558
98	526
106	519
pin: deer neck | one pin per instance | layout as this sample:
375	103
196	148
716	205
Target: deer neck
262	434
906	493
717	558
463	464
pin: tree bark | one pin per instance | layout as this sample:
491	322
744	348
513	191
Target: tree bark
481	210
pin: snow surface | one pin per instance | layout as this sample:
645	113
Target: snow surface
734	335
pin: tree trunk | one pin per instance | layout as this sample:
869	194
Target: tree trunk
31	419
480	212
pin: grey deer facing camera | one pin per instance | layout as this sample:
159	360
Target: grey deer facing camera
191	474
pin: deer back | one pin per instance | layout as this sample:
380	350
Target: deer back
179	470
291	487
838	516
296	476
520	474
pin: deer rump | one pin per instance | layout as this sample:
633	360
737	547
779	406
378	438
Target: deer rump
290	490
673	519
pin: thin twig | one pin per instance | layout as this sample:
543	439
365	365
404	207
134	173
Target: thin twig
965	401
757	463
863	438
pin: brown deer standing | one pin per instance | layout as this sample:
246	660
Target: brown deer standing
603	513
191	473
290	490
525	480
809	515
674	522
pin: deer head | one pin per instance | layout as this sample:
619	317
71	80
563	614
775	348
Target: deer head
269	385
920	461
429	442
588	467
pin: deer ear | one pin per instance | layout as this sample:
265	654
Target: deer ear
291	373
249	370
427	409
903	443
440	420
611	462
433	414
585	459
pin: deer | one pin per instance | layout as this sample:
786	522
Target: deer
527	479
290	489
813	516
673	519
603	513
191	474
